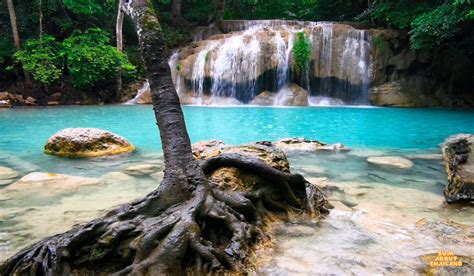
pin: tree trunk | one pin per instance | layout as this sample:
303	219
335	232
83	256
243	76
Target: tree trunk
16	35
41	30
176	8
12	13
119	38
188	224
217	14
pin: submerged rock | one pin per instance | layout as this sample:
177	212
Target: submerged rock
459	166
142	169
51	182
392	161
112	178
7	173
302	144
86	142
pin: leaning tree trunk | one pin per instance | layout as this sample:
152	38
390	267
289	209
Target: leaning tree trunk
218	10
16	36
188	224
176	8
119	40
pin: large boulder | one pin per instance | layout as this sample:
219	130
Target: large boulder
413	91
265	98
292	95
234	177
459	166
86	142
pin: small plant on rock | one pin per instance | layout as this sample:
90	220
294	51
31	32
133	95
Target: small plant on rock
301	52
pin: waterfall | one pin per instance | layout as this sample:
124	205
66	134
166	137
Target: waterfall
235	68
283	54
140	94
252	57
345	71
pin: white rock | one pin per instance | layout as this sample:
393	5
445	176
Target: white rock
393	161
51	182
117	178
433	156
7	173
6	182
142	169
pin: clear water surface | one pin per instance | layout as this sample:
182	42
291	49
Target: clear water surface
371	232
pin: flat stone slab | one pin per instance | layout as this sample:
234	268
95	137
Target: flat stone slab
51	182
7	173
392	161
86	142
142	169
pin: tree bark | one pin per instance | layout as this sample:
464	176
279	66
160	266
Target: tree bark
41	31
176	8
16	35
12	13
218	11
119	39
188	224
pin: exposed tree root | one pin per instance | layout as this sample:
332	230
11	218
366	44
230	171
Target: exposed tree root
213	230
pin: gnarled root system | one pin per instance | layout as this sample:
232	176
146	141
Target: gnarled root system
213	229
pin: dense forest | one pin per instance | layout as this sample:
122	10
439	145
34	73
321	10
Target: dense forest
88	47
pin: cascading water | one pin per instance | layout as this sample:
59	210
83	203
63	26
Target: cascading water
140	94
235	68
253	57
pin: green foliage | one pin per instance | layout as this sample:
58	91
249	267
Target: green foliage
208	56
84	7
301	52
174	36
6	48
42	58
431	22
91	59
197	11
398	14
379	43
434	28
179	67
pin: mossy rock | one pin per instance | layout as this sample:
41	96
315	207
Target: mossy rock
86	142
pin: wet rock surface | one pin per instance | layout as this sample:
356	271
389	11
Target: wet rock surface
459	167
86	142
293	95
50	183
391	161
7	175
142	169
233	177
305	145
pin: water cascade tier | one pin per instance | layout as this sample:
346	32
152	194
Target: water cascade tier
252	62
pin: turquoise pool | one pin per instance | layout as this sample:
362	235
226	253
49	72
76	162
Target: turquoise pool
24	131
385	203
